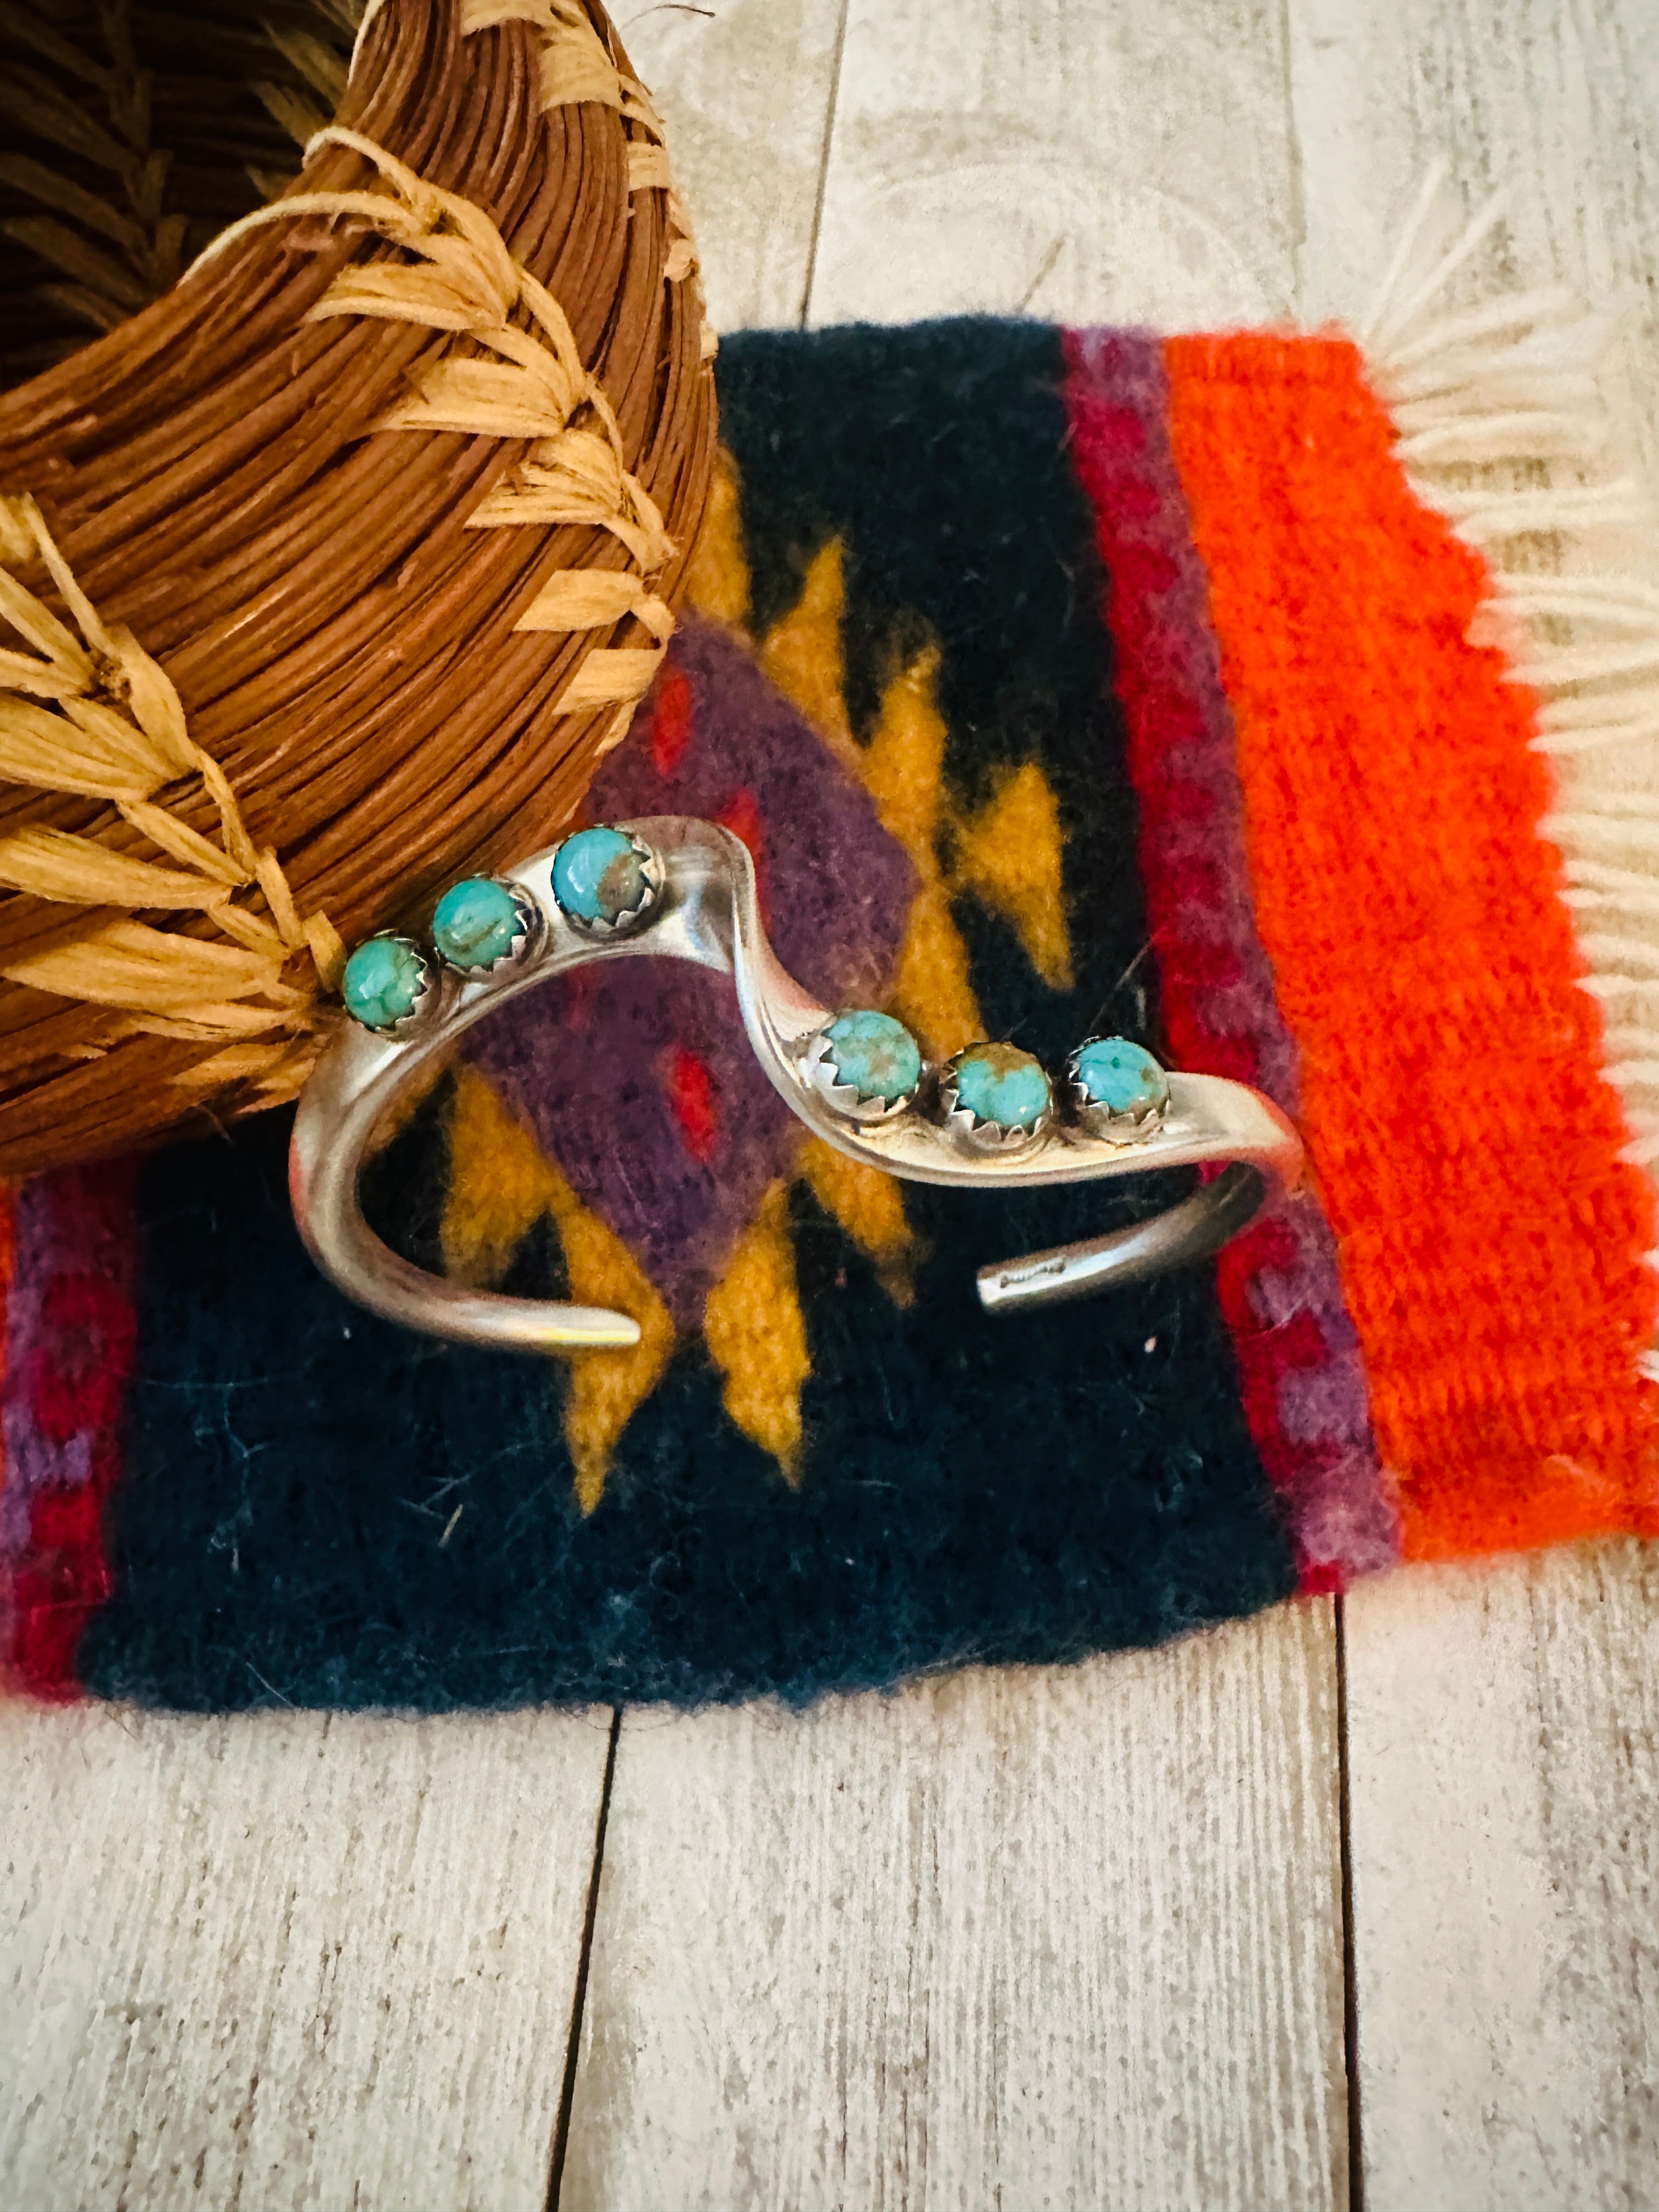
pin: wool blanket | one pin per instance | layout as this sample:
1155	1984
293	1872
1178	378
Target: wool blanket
1061	683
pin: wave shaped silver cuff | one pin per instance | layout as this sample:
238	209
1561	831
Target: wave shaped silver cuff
675	889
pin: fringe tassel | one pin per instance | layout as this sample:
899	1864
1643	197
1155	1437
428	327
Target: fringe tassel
1506	427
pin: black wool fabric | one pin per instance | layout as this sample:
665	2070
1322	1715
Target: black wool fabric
1038	1492
1032	1488
936	454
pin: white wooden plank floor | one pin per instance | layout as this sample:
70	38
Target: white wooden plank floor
1068	1936
1046	1938
288	1958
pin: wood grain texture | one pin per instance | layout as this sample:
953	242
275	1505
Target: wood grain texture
1062	159
1553	101
1012	1939
287	1960
744	88
1503	1762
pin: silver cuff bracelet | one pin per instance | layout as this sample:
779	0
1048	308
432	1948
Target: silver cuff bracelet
673	887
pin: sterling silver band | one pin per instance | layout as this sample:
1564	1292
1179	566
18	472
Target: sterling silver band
706	911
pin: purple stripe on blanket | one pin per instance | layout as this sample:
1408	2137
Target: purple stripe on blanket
638	1079
69	1325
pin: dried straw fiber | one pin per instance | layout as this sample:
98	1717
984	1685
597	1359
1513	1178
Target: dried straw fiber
310	519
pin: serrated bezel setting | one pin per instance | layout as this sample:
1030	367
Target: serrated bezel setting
819	1071
1115	1125
427	996
632	918
972	1132
527	930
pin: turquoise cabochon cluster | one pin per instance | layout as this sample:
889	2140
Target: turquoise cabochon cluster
601	879
477	923
876	1057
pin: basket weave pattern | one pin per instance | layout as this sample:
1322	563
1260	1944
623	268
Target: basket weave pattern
373	485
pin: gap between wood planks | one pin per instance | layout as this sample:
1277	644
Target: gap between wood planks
579	2003
584	1959
1350	1978
830	107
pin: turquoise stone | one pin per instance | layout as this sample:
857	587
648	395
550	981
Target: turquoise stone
383	979
598	875
1002	1083
876	1055
1121	1076
475	922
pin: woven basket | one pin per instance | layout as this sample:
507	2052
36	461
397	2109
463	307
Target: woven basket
332	572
